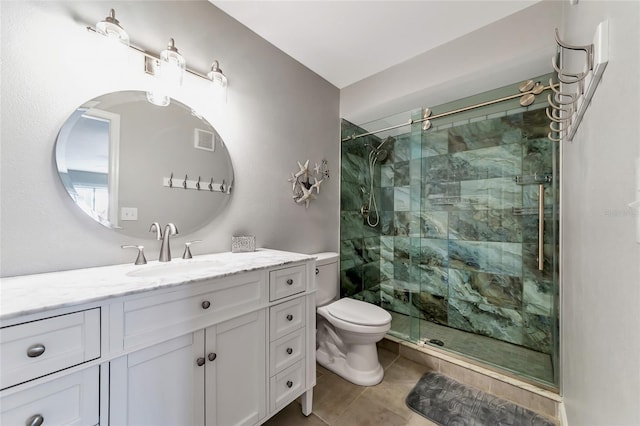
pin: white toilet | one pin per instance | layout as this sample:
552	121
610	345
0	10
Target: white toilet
347	329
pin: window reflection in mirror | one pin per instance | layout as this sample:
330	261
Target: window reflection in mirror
90	168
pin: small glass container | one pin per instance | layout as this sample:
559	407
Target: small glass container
243	244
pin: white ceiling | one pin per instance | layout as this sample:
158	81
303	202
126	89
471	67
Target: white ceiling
347	41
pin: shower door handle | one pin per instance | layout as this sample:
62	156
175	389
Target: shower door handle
541	227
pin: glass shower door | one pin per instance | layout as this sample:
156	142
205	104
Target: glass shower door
483	291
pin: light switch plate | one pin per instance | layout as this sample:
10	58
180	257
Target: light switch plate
129	213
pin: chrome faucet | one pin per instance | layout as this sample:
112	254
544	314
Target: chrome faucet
155	227
165	248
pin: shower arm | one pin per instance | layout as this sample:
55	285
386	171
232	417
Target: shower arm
533	91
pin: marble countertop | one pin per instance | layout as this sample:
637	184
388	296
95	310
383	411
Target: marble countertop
29	294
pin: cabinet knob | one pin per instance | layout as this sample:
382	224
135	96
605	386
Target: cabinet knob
212	356
290	281
200	362
289	351
317	271
289	317
289	383
35	420
206	304
36	350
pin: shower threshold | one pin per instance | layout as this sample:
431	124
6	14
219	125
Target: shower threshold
506	358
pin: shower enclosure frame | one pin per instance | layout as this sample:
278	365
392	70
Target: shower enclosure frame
425	116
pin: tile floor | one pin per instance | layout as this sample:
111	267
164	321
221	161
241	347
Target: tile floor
522	361
337	402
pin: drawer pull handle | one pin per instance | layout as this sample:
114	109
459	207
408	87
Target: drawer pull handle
289	351
206	304
289	383
289	317
317	271
35	420
290	281
35	350
212	356
200	362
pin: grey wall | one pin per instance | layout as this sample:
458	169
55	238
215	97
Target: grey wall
278	112
600	263
515	48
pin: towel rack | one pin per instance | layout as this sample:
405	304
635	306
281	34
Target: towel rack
571	99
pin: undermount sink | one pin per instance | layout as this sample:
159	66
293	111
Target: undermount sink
176	267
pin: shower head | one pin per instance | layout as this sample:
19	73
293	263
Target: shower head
382	153
390	139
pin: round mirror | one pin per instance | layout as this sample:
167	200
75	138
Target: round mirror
128	163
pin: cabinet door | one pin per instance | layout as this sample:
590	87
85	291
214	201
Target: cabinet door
71	400
236	378
160	385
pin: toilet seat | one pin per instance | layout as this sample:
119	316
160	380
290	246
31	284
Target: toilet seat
358	312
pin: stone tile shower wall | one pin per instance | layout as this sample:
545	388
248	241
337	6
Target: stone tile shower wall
359	243
449	248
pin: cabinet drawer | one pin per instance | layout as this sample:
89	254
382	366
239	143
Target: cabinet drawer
286	351
285	282
69	400
167	315
286	386
286	317
37	348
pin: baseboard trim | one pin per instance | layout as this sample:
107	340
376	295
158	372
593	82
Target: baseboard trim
562	414
529	396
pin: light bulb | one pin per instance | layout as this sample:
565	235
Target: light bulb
110	27
172	65
217	76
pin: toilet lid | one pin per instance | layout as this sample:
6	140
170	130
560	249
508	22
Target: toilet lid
358	312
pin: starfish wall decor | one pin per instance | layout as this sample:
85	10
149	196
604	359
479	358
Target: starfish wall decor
301	186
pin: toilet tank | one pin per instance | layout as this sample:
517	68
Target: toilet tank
327	278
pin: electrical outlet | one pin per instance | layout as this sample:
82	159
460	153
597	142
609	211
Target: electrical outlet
129	213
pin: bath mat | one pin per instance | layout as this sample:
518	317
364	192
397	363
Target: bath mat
449	403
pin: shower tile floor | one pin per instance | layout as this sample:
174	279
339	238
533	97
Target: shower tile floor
516	359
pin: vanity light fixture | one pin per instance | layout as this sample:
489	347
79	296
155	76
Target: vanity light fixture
169	66
172	65
168	70
219	81
217	76
110	27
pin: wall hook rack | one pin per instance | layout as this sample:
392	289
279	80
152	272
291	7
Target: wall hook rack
569	102
197	185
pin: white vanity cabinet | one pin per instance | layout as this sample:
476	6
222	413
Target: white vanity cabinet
164	372
35	349
236	372
69	400
214	376
291	337
229	346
